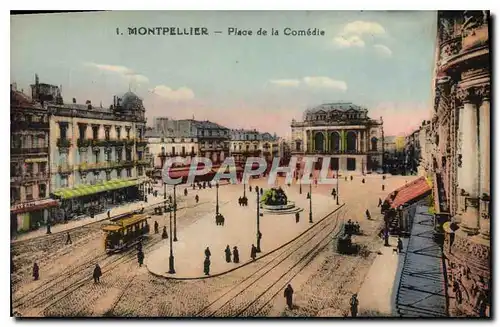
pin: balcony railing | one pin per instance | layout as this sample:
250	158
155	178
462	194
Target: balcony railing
83	143
35	176
106	165
64	168
141	142
30	125
143	162
29	150
63	143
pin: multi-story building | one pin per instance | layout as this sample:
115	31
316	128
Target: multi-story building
342	131
460	158
251	143
97	155
29	164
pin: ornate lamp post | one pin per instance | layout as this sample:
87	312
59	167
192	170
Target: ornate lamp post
310	204
175	216
300	184
338	186
164	190
171	269
216	199
258	221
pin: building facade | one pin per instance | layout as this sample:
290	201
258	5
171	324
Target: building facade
29	164
251	143
460	157
344	132
97	155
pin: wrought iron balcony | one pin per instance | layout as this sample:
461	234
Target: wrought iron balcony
83	143
41	150
63	143
64	168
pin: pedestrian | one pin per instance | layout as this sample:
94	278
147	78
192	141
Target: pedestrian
97	273
140	257
379	202
164	235
257	189
207	252
400	245
250	188
206	266
68	239
334	192
36	271
228	254
383	187
157	227
346	178
351	177
170	198
236	255
253	252
194	187
185	192
139	246
261	191
367	213
354	305
48	228
239	201
109	214
297	217
363	181
308	195
289	296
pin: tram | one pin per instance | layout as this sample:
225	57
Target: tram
125	231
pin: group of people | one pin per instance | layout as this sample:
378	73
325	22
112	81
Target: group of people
230	256
352	228
200	186
243	201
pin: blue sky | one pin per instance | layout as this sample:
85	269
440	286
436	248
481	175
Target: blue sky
381	60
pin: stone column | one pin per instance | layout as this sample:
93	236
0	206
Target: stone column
358	141
470	163
484	159
327	140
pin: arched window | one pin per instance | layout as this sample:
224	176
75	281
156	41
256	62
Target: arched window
374	143
318	142
351	141
335	141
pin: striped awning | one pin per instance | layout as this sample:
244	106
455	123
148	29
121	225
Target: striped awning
83	190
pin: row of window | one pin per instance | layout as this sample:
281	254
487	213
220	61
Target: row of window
15	192
18	141
90	181
17	169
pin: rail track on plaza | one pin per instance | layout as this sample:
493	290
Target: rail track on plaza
79	276
245	298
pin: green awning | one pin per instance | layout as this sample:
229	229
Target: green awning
83	190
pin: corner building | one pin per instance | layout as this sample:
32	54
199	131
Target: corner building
342	131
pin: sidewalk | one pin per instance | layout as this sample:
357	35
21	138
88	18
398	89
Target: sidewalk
377	296
239	230
71	224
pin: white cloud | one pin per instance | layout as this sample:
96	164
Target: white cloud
362	27
325	82
350	41
125	72
286	82
181	94
382	50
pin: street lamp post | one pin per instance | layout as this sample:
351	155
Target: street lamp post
164	190
300	185
171	269
244	189
175	216
310	203
216	199
258	221
338	186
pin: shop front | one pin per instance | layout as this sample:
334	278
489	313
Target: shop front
31	215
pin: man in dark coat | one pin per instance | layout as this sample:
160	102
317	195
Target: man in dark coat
334	193
48	228
207	252
140	257
97	273
157	227
351	177
367	213
228	254
297	217
206	266
257	189
379	202
109	214
363	181
308	195
346	178
289	296
400	245
68	239
185	192
383	187
197	198
261	191
253	252
194	187
236	255
164	235
250	188
354	305
36	271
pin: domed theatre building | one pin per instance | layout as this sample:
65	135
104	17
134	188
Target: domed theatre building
343	131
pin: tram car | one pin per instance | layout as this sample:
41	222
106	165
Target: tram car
125	231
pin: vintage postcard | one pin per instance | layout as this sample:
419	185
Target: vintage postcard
209	164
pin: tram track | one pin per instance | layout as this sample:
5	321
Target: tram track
230	303
81	275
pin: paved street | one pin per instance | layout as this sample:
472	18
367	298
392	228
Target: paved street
65	286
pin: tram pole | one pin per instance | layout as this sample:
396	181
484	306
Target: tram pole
175	216
338	177
216	199
171	269
310	203
258	221
164	190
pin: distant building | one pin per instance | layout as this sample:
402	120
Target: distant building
29	164
251	143
342	131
